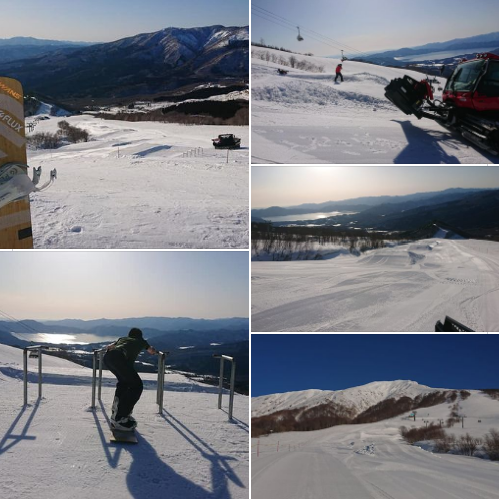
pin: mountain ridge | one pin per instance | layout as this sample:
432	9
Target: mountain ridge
360	201
358	398
144	64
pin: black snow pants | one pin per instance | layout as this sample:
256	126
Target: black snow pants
340	75
129	387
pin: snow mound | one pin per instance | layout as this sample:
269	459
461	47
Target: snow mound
368	450
383	290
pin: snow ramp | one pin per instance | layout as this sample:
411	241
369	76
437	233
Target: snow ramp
405	288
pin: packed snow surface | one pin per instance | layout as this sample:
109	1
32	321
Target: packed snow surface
371	461
57	447
305	117
142	185
358	398
404	288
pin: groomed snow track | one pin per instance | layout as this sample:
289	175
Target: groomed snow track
406	288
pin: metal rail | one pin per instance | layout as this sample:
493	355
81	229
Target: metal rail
25	370
232	381
97	363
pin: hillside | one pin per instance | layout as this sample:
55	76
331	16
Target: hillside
144	64
363	203
60	447
359	398
470	212
305	117
401	288
469	45
141	185
372	461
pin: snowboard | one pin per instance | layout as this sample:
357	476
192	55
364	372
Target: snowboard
15	217
123	437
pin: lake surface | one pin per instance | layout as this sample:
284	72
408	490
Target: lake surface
309	216
61	339
443	55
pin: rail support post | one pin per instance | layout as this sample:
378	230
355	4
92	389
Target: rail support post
25	372
232	381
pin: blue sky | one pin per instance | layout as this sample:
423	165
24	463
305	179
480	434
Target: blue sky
96	284
368	25
282	363
285	186
108	20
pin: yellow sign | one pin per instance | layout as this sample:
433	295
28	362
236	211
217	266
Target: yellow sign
8	90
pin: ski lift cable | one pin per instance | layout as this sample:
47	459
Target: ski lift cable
13	319
274	21
294	28
347	48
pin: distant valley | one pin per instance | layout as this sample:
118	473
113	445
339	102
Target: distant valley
191	342
472	211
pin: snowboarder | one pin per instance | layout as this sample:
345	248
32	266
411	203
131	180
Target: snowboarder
339	67
120	359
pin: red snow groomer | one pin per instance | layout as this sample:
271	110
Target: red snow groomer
470	101
227	141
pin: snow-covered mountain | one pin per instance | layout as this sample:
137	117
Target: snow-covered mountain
371	460
139	65
359	398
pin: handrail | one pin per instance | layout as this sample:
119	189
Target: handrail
161	377
25	371
232	381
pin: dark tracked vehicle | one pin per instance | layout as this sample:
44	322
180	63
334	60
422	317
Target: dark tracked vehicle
227	141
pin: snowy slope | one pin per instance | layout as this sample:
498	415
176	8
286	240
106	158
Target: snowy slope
358	398
371	461
405	288
59	448
304	117
142	185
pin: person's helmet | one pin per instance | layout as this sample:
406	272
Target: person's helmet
135	333
340	65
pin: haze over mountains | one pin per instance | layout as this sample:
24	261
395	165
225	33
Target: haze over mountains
177	331
22	47
471	210
144	64
489	41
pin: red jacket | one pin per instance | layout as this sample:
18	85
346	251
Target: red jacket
338	69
